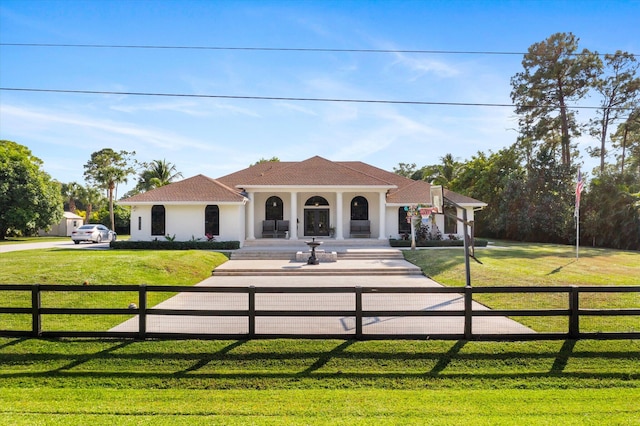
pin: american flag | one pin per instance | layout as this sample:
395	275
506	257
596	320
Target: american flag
579	187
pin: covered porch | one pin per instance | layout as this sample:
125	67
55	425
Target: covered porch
339	214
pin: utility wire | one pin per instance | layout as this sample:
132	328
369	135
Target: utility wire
267	49
278	98
275	49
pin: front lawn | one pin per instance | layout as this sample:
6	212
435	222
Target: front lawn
517	264
95	268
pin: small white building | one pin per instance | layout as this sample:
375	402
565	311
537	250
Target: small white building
68	223
311	198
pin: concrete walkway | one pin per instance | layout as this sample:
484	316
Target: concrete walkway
367	272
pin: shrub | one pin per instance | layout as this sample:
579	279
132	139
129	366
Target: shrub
175	245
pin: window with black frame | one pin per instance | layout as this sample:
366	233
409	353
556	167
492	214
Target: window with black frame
450	222
359	208
274	209
212	220
404	227
158	220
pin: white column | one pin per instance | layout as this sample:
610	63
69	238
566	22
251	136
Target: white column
339	208
293	221
383	216
251	235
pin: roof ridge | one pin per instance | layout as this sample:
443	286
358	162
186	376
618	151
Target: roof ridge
367	174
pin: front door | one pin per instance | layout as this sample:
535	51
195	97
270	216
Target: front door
316	222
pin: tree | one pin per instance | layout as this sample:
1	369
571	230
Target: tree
493	179
264	160
90	197
71	192
627	138
554	75
405	169
619	89
122	216
158	173
612	212
443	173
106	169
29	198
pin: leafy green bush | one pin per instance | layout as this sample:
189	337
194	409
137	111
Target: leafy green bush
175	245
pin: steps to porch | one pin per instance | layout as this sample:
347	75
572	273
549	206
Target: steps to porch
354	257
287	249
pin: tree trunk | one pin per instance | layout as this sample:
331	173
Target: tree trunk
564	124
624	147
87	218
603	138
111	215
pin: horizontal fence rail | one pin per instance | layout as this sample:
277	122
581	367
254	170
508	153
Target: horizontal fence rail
358	312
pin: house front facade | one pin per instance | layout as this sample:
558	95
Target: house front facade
293	200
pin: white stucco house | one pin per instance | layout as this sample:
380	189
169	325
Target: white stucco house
295	200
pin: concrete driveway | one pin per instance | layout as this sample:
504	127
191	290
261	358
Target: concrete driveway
6	248
343	273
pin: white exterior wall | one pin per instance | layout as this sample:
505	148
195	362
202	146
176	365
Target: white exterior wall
140	215
187	222
392	222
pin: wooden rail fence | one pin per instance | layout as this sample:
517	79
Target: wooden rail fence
573	312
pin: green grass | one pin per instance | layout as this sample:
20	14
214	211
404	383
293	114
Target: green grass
322	382
318	382
96	267
27	240
517	264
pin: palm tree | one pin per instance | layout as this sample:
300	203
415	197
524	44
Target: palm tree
106	169
443	173
91	197
71	192
158	173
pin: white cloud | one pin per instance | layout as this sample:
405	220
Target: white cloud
295	107
55	127
419	67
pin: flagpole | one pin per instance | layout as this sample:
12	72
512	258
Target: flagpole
577	232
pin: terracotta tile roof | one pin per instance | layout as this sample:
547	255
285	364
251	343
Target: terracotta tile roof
392	178
252	172
315	171
415	192
462	199
195	189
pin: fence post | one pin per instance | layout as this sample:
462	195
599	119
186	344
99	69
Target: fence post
142	312
574	317
36	304
252	311
468	311
358	312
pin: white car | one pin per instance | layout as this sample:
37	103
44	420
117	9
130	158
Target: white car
93	233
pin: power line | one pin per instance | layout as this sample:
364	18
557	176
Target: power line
279	98
267	49
277	49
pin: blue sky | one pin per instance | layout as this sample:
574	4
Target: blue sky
216	136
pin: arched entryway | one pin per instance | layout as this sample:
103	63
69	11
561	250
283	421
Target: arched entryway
316	217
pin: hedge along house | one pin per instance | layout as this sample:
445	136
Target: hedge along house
295	200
